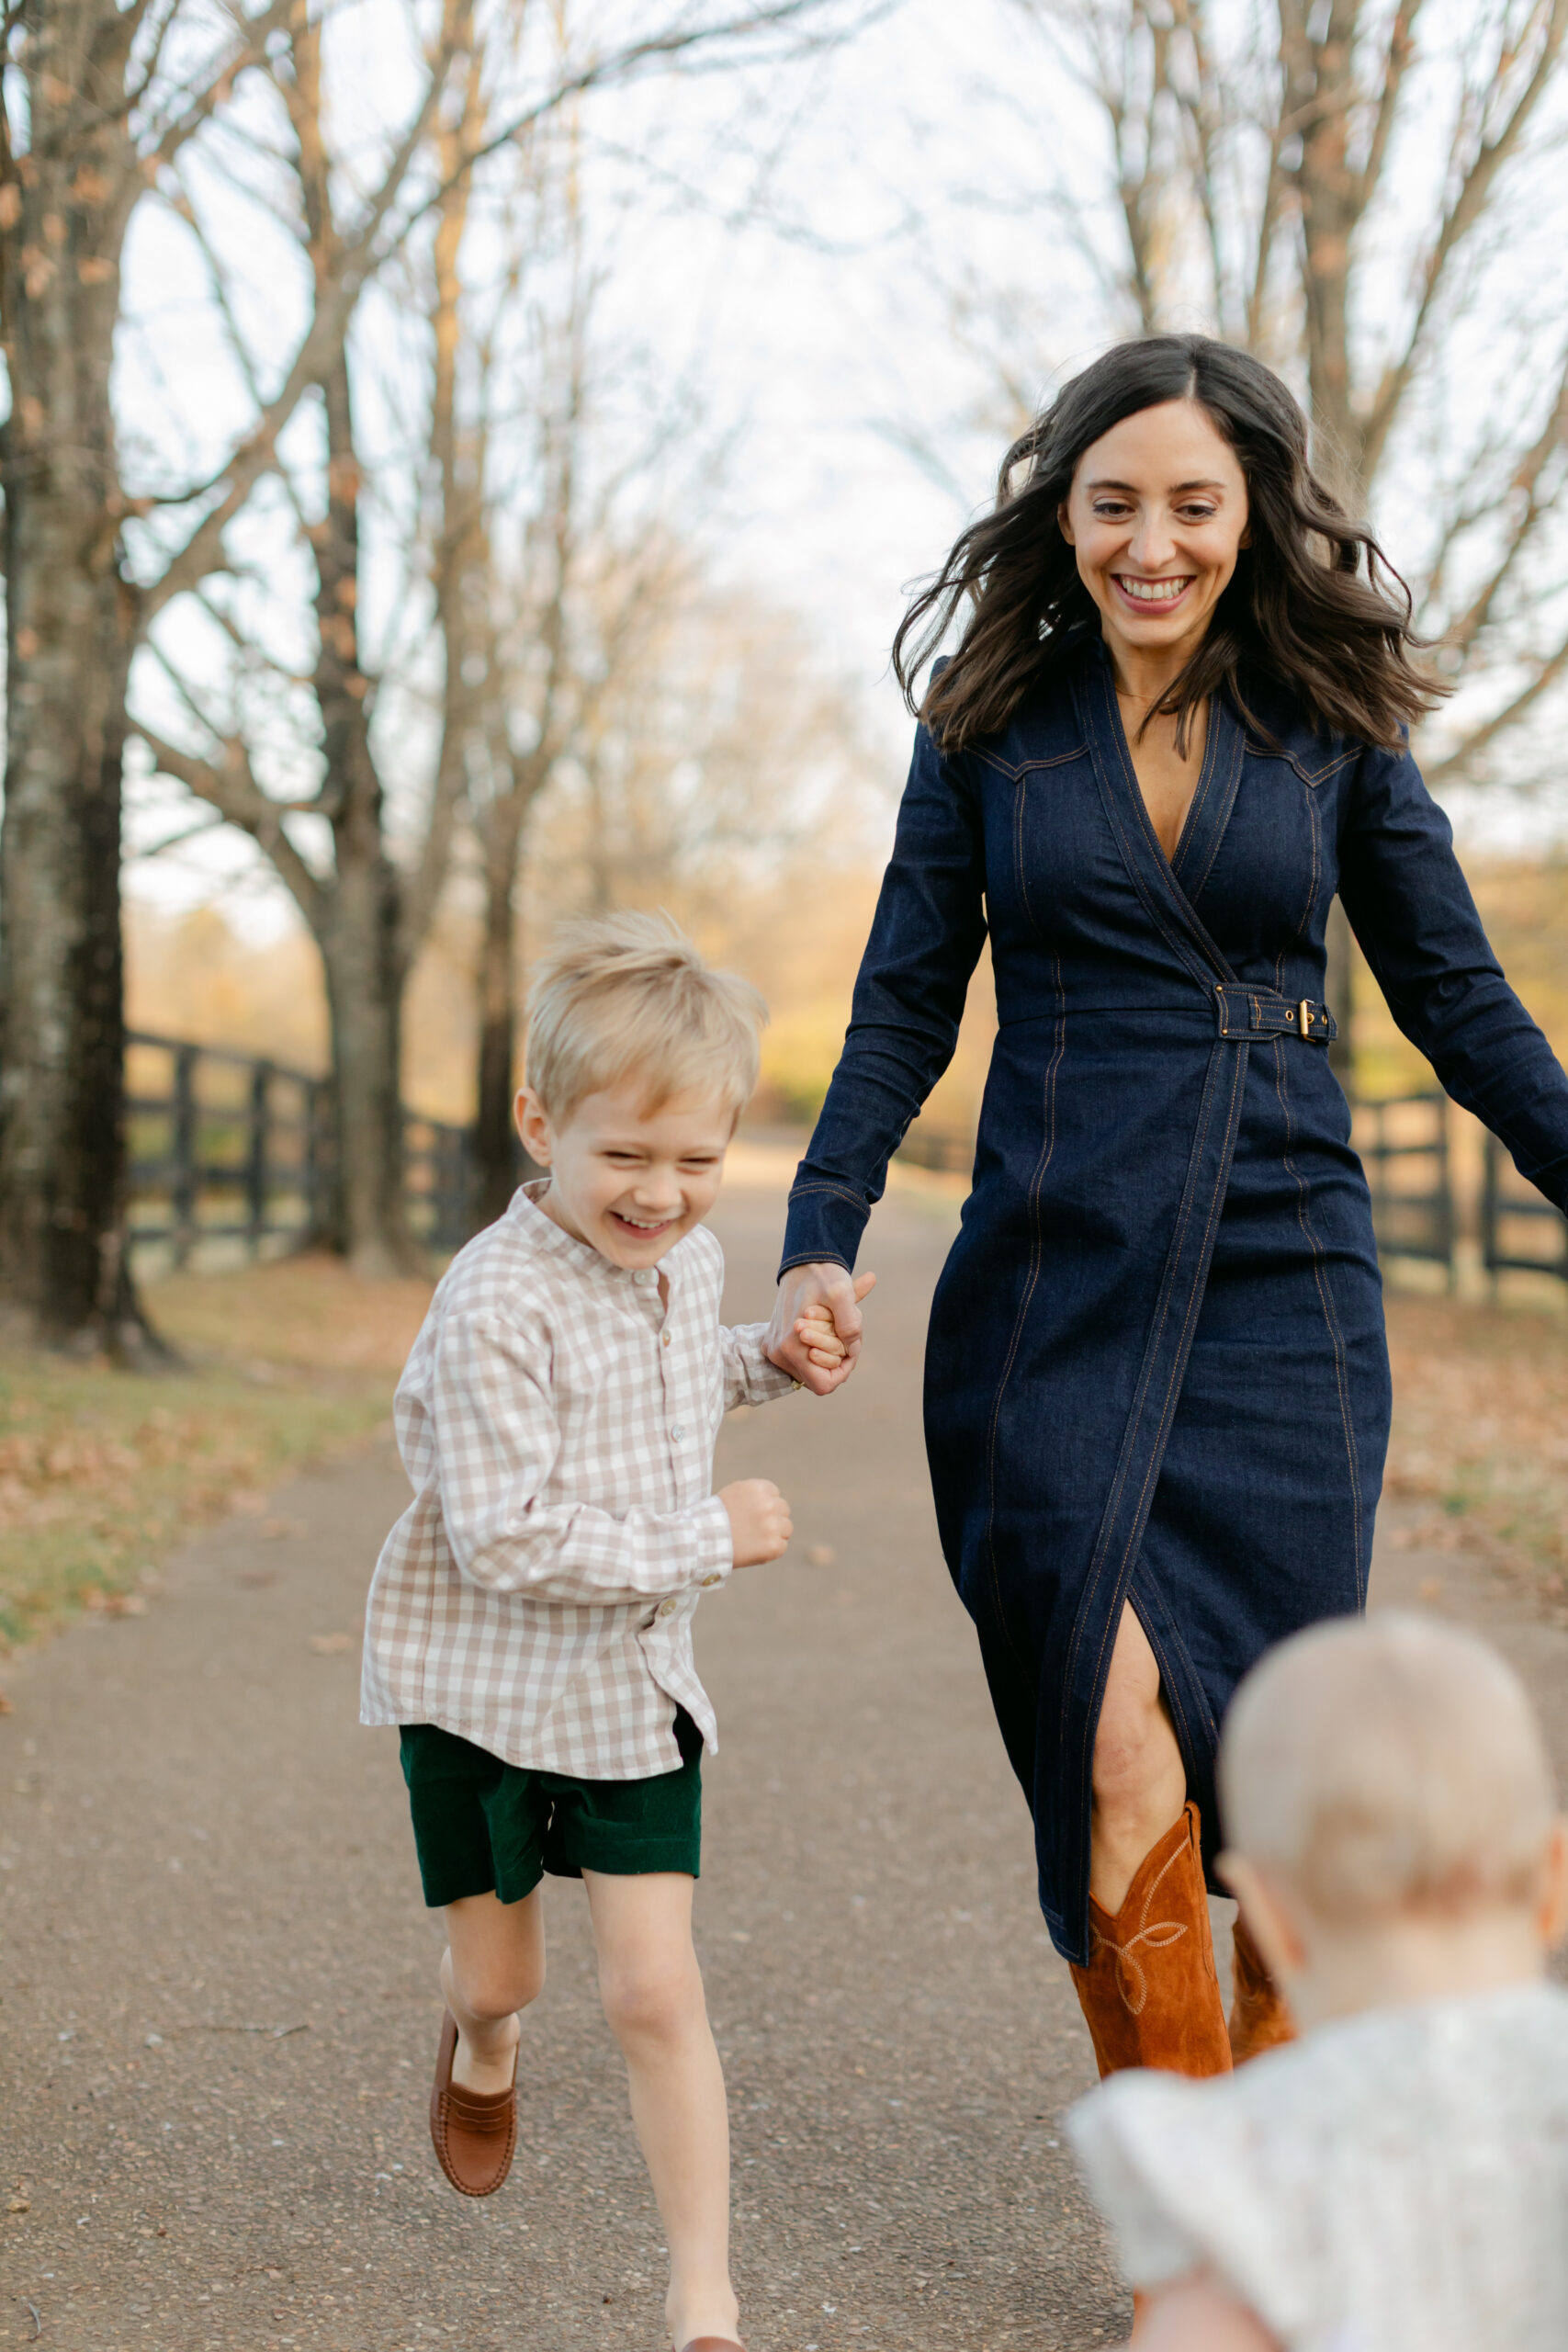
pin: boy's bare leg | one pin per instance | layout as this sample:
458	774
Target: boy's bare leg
493	1965
652	1991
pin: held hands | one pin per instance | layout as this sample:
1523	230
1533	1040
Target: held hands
816	1330
759	1525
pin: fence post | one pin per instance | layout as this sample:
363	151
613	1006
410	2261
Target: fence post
184	1187
315	1175
1447	1221
255	1156
1489	1210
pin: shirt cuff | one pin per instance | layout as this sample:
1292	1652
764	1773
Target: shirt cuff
713	1543
761	1378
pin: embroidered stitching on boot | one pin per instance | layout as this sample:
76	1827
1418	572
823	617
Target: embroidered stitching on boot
1158	1938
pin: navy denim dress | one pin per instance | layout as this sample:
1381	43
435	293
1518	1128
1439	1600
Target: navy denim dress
1157	1369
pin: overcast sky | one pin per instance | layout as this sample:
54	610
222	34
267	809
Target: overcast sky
790	245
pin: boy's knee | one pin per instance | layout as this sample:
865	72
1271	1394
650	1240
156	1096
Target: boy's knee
492	1990
650	1999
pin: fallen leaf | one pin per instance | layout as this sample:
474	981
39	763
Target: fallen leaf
329	1645
820	1556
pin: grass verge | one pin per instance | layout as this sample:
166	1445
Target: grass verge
102	1472
1481	1434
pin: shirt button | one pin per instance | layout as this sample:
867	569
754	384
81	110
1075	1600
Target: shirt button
679	1431
668	1607
707	1580
645	1275
667	1339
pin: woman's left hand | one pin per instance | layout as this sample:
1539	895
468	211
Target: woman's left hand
806	1293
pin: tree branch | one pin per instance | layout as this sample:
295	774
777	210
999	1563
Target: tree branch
231	787
1470	201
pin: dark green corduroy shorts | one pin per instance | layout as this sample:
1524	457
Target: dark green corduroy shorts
483	1826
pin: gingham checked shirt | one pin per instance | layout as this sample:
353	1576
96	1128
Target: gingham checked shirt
557	1422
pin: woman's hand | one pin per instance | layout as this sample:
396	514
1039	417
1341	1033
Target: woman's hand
823	1289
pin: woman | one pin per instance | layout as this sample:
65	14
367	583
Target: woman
1156	1382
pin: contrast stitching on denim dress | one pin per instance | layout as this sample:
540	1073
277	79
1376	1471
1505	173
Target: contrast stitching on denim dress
1192	891
1330	1318
1173	1385
1015	770
1311	777
1047	1147
821	1184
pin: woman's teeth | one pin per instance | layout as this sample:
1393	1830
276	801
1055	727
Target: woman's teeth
1153	591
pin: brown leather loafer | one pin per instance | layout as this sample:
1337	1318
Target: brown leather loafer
473	2134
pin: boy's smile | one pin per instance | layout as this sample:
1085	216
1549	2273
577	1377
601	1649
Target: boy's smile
628	1179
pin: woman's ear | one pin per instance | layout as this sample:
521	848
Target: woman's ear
1063	525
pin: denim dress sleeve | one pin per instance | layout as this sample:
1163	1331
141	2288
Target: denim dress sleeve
925	941
1411	910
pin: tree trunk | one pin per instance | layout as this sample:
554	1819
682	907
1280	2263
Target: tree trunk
71	629
495	1146
364	993
1320	76
360	929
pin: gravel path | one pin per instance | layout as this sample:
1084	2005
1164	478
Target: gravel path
219	2005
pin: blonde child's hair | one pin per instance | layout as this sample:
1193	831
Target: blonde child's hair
1385	1764
628	996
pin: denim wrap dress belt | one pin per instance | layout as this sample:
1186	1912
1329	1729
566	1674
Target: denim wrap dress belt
1156	1372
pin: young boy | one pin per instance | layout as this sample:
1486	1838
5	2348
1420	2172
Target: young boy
1397	2179
530	1621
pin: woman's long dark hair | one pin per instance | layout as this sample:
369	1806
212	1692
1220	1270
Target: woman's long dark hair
1297	613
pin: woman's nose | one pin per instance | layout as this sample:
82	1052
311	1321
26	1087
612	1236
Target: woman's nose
1152	546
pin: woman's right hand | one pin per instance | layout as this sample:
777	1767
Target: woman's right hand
828	1287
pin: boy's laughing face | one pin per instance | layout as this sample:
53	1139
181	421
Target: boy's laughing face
627	1180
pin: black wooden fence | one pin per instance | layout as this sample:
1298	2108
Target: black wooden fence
231	1150
1403	1147
1519	1229
227	1149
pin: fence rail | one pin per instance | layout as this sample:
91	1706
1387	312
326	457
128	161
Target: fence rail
229	1149
1403	1147
232	1149
1519	1231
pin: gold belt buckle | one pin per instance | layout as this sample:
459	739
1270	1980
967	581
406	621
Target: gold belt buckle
1303	1014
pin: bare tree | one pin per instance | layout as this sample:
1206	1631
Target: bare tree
95	100
365	864
100	102
1369	213
1361	191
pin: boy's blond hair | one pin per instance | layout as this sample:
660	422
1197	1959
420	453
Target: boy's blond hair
1385	1764
628	997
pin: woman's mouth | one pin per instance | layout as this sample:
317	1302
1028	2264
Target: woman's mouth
1150	597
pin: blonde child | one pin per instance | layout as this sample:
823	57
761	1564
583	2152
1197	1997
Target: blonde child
530	1621
1396	2181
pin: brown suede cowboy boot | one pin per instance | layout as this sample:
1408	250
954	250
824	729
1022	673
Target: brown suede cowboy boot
1150	1994
1259	2019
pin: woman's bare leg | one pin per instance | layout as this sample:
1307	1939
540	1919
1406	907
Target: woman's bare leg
1140	1783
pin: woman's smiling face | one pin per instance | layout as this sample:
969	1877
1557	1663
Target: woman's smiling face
1156	516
